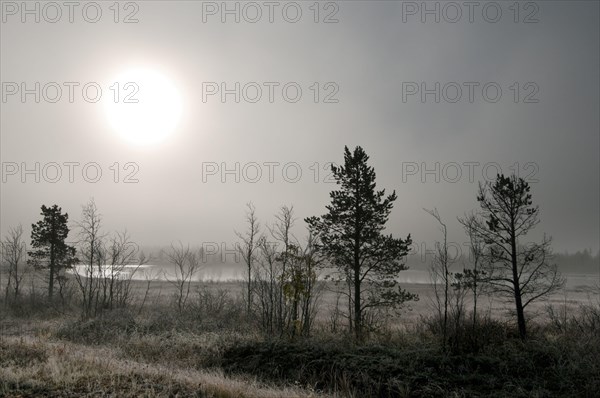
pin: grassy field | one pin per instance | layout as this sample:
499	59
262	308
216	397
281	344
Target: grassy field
214	349
141	351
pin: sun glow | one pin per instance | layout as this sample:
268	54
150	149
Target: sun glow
143	107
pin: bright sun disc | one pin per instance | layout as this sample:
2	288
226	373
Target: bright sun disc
143	106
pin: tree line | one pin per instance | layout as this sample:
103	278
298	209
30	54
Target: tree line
349	245
346	250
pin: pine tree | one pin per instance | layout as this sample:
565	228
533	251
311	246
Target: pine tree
352	240
48	241
515	269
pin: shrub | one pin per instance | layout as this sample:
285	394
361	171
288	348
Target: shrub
105	328
513	368
21	354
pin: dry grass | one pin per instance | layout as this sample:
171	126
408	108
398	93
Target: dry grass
154	350
33	366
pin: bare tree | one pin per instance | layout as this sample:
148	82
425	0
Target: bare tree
92	258
267	282
13	255
187	264
312	287
516	270
108	264
148	280
471	278
285	279
294	287
123	260
272	274
248	247
281	232
440	273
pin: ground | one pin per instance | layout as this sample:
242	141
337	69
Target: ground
150	350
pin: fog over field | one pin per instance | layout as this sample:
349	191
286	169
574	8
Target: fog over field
299	198
232	272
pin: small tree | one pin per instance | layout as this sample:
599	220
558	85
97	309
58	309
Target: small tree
440	273
48	241
92	257
351	238
267	277
187	264
123	260
103	279
312	261
471	278
13	256
300	287
285	279
248	247
281	232
516	270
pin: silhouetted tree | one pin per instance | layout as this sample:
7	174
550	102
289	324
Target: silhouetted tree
471	278
351	238
515	269
250	244
48	241
108	264
187	265
440	274
285	279
300	286
268	286
92	257
123	260
312	290
284	240
13	255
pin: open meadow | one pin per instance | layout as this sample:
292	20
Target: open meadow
213	348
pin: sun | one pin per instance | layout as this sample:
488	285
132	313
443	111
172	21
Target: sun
143	106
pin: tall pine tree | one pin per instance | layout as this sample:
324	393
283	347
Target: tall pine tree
48	241
352	239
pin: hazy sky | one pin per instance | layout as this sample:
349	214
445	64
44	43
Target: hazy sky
544	123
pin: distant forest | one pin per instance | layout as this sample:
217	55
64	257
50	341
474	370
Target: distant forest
582	262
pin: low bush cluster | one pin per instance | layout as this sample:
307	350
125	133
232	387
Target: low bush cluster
21	355
513	369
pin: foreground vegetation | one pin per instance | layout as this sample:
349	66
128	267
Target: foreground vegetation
50	351
95	330
213	349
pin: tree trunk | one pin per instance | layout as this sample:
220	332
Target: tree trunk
357	305
51	281
446	288
249	264
520	314
475	301
350	310
516	284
